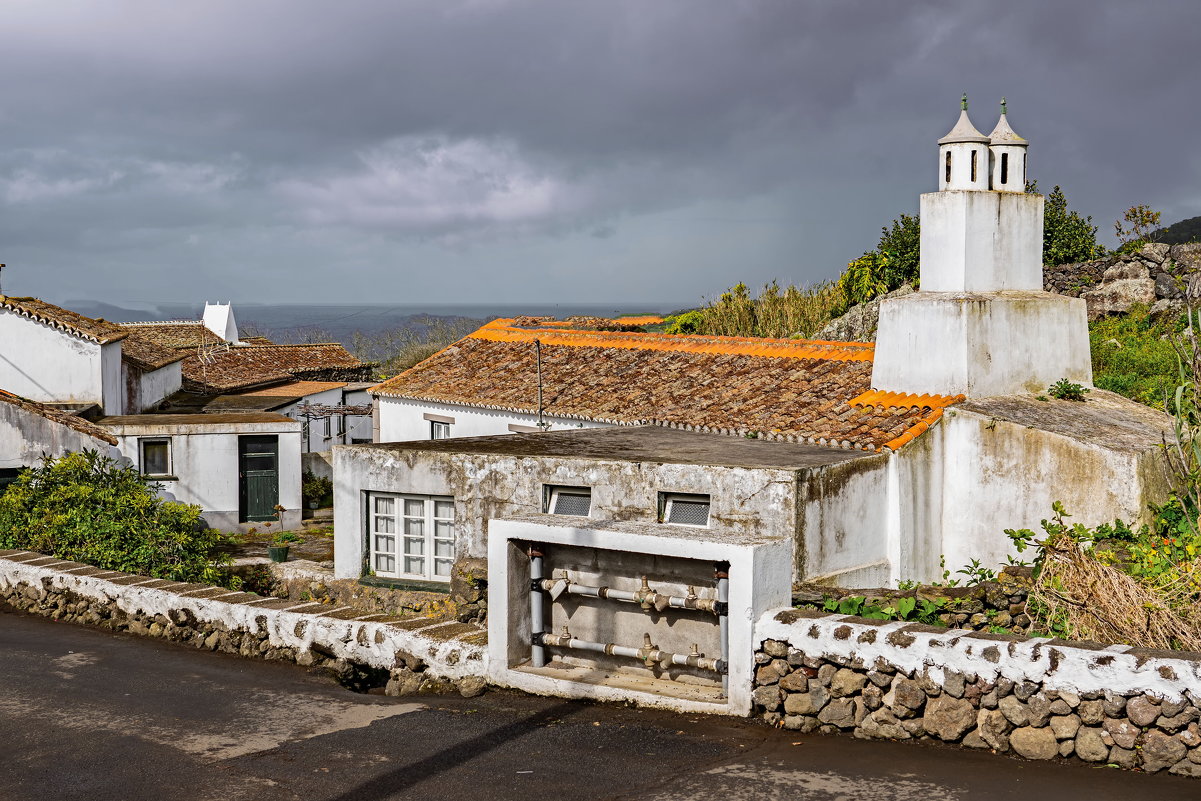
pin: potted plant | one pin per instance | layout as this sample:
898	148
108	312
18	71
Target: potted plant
278	549
316	489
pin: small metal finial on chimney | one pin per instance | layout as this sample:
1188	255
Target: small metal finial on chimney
1003	109
963	102
1	279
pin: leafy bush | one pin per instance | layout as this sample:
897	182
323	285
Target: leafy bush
776	312
84	507
905	608
894	262
1067	237
1066	390
1133	354
317	489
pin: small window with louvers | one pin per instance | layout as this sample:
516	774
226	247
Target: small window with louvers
576	501
684	510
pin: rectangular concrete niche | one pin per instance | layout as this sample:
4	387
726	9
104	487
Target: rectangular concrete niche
544	575
630	619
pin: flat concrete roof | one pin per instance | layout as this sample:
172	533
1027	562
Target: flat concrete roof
230	418
639	444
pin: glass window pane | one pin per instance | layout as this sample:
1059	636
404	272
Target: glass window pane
414	508
155	459
385	544
444	529
414	528
415	565
444	510
385	525
444	548
414	547
385	506
442	567
385	564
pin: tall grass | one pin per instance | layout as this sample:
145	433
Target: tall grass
780	313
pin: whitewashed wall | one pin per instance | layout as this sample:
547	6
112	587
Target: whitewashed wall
205	465
25	436
402	420
42	363
155	385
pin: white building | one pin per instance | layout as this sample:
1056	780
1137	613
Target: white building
236	467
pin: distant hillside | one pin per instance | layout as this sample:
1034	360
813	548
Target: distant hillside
1178	233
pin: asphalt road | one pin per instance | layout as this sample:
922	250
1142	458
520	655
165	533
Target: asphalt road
86	714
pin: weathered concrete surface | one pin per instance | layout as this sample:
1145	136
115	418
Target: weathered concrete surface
100	717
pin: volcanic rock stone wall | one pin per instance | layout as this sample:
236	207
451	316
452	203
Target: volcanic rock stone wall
1036	697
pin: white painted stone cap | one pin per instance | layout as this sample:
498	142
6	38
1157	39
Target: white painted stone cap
963	131
1003	134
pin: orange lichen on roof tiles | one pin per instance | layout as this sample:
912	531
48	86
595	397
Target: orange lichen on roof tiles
904	400
793	390
502	331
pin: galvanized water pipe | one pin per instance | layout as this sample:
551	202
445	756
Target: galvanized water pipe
648	654
722	574
645	596
537	625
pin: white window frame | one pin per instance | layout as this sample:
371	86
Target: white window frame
439	429
666	499
390	540
142	443
551	493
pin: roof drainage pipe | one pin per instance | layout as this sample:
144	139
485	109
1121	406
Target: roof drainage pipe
537	625
649	653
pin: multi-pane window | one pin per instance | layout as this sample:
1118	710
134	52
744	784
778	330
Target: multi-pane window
155	457
439	430
684	510
411	536
567	500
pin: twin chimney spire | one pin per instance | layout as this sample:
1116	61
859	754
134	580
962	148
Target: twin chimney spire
969	160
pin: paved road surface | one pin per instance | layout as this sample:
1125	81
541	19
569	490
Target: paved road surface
86	714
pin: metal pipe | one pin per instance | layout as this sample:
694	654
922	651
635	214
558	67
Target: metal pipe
537	625
646	597
649	653
722	574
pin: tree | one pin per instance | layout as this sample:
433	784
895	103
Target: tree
1142	222
1067	237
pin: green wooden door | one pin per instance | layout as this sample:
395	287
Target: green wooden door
258	472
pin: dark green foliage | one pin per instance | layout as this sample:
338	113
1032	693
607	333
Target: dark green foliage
1133	355
1179	233
1066	390
1067	237
86	508
894	262
906	608
317	489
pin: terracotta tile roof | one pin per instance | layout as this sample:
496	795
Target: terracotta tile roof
796	390
58	416
229	368
296	389
101	331
146	352
175	333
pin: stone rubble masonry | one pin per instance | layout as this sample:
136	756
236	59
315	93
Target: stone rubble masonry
1037	697
360	648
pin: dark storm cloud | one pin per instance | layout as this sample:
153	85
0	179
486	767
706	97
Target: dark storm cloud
544	150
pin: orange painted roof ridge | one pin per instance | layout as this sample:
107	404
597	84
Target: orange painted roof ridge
905	400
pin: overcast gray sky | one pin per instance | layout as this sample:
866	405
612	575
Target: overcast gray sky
494	150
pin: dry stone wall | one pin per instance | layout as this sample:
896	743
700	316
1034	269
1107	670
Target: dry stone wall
360	649
1035	697
1153	276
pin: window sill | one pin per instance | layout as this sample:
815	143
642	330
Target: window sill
152	477
418	585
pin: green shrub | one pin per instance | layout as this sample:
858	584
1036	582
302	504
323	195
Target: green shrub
1066	390
317	489
84	507
1133	355
776	312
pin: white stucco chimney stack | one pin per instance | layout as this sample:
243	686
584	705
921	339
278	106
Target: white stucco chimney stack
963	155
981	323
1008	152
219	318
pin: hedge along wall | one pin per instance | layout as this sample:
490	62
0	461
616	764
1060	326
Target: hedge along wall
1036	697
359	647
